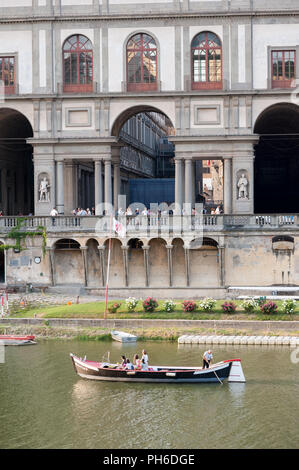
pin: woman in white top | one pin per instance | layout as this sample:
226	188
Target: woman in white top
145	356
144	365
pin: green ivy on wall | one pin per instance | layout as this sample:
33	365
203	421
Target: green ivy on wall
20	236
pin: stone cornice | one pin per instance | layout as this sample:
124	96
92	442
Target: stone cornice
165	17
146	95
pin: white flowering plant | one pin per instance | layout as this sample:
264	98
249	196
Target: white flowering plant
169	306
207	304
289	305
131	303
249	305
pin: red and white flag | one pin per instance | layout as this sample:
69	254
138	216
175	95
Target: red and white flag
119	228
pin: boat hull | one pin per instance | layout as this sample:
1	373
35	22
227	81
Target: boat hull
12	340
89	370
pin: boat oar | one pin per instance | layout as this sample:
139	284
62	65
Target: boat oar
217	377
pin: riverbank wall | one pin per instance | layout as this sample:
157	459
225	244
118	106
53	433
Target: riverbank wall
172	329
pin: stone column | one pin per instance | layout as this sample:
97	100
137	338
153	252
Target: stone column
116	182
169	258
108	184
60	186
221	266
188	181
178	185
84	258
187	264
227	185
146	264
51	252
102	263
125	262
98	187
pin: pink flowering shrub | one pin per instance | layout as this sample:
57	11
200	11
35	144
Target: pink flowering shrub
269	307
189	306
150	304
229	307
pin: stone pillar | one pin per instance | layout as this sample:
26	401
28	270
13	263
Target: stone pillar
125	263
169	258
187	264
227	186
84	258
51	252
221	266
60	186
108	183
116	182
102	263
188	181
146	264
178	185
98	187
243	169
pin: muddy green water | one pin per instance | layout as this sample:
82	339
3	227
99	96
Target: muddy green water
44	404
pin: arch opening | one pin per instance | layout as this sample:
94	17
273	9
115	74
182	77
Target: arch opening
16	165
276	166
147	172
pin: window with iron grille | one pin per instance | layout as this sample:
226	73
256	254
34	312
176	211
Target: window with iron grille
283	68
141	63
7	74
77	64
206	61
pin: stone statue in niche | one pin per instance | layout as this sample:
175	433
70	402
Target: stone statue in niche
44	190
243	187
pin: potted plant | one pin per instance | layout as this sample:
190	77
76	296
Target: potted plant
131	304
249	305
169	306
289	305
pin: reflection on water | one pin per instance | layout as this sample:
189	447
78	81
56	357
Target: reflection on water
44	404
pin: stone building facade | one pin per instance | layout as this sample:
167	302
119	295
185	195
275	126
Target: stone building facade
223	72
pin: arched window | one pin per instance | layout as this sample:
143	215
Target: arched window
77	64
206	53
141	63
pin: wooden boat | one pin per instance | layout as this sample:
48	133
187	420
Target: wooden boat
16	340
230	370
123	337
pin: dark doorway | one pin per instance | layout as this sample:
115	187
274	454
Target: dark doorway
2	266
276	176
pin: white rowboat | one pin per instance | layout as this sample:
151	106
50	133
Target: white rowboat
123	337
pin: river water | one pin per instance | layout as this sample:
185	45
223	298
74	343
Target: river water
44	404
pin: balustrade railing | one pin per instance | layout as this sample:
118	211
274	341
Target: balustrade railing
151	223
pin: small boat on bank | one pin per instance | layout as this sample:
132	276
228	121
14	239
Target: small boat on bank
16	340
123	337
230	369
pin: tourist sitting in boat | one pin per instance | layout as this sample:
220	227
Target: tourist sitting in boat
123	361
144	365
207	359
137	362
129	365
145	356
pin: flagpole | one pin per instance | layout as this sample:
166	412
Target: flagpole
108	268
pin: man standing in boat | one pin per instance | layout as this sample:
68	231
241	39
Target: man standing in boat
207	359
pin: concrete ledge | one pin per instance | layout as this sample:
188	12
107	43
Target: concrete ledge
244	325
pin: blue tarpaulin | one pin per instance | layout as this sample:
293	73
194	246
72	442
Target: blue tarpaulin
149	191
